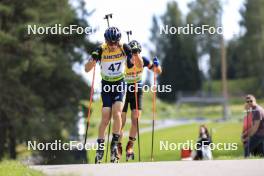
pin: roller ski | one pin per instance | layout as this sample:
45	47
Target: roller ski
129	151
99	156
100	151
114	153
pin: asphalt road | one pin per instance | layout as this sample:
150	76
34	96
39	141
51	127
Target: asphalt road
174	168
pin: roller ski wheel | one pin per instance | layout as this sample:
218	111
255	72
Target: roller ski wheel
130	156
114	160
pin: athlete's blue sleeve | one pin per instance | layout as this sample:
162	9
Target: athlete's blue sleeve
146	61
128	53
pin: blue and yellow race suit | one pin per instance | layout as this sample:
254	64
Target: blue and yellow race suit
113	64
130	78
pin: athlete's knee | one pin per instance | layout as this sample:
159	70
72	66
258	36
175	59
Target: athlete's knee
136	114
117	114
135	117
117	111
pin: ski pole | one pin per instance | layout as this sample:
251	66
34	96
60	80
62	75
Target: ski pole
89	107
107	17
139	159
107	142
128	34
136	98
154	115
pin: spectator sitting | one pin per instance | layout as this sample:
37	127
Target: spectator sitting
203	151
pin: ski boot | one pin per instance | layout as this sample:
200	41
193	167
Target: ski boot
114	153
129	151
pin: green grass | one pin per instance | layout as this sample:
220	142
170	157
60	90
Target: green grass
235	87
15	168
224	132
228	132
166	110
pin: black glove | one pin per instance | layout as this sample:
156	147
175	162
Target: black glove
135	49
96	54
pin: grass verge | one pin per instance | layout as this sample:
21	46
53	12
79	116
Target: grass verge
15	168
227	132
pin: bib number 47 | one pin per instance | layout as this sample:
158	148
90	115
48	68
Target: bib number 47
115	66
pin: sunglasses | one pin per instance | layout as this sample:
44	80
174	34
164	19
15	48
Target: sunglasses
249	101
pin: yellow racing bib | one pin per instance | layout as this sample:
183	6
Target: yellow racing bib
112	64
130	74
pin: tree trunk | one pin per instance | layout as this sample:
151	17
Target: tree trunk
12	141
2	135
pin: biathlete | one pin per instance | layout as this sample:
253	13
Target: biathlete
130	78
113	57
